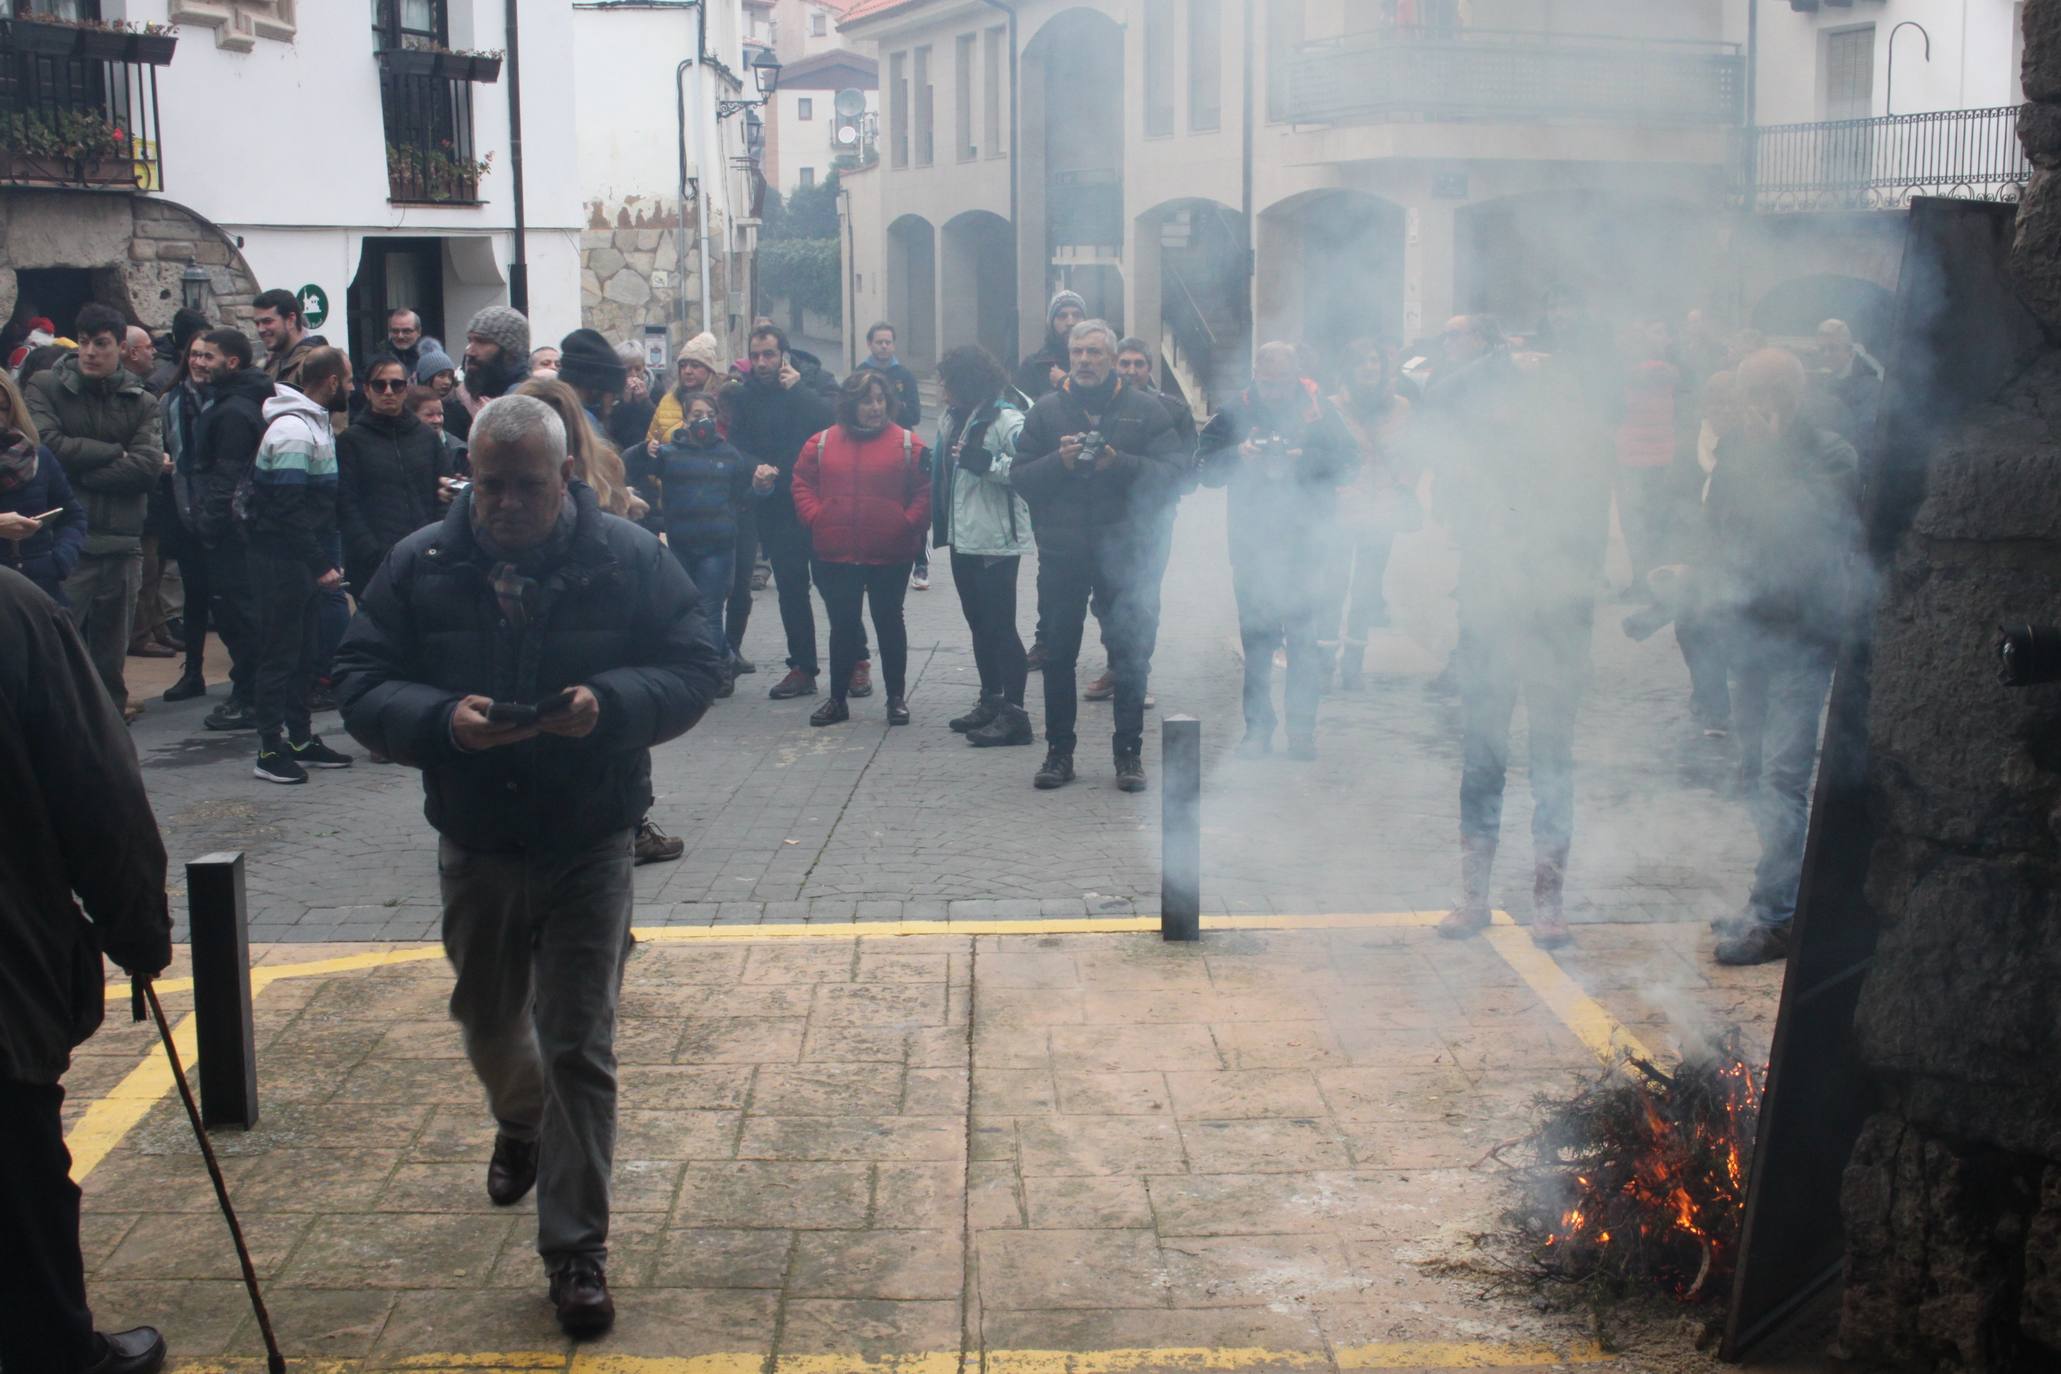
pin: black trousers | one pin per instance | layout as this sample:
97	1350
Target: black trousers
193	568
987	595
737	614
289	642
1110	576
787	549
45	1323
231	614
845	586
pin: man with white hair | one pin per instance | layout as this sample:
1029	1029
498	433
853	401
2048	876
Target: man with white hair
1847	387
526	654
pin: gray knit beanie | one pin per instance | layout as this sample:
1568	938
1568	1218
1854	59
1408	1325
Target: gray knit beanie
1060	302
501	325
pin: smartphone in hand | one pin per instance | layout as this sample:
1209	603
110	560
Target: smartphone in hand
512	713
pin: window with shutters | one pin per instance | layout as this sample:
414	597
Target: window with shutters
1850	73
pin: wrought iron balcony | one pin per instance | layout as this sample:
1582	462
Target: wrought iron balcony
1880	164
431	155
78	106
1402	74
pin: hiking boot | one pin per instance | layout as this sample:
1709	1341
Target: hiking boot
231	715
862	680
313	753
1754	943
897	711
985	709
1056	771
1302	748
1130	773
275	764
1101	689
831	712
189	686
512	1172
1549	918
1011	726
579	1292
1471	916
654	846
796	684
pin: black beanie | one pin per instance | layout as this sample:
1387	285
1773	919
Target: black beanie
587	361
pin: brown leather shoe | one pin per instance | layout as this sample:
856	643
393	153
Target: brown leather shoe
1101	689
580	1293
512	1172
1463	921
861	684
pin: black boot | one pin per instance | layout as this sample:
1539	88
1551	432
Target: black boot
984	710
1011	726
190	685
1057	770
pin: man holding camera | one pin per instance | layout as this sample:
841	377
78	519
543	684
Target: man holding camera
1281	453
526	654
1100	455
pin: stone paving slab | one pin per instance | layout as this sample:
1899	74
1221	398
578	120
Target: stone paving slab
1040	1153
861	823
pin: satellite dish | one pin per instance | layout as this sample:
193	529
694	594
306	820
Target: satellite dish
848	134
850	102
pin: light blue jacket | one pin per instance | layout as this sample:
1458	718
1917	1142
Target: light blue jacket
978	513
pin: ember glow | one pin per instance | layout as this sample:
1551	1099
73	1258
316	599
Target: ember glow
1641	1178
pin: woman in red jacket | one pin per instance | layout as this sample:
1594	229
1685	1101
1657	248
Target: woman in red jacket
862	490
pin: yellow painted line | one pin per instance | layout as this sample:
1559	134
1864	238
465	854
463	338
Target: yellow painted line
116	1113
1578	1011
1063	925
1466	1355
1196	1357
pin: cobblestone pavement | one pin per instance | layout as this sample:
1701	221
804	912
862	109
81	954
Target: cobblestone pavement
784	823
1019	1154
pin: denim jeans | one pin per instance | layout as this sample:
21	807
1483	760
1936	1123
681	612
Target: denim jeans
1792	679
538	941
1278	604
711	571
1546	662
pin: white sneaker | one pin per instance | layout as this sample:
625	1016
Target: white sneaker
920	580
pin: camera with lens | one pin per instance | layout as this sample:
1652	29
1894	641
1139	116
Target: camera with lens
1271	450
2029	655
1092	443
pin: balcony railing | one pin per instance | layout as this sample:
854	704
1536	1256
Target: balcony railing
1486	74
1880	164
79	107
431	156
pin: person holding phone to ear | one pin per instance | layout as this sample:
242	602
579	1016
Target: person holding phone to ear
42	523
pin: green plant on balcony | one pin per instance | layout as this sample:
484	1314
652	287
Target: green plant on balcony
63	144
434	174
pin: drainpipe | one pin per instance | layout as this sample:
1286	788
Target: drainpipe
1251	263
706	188
1015	109
519	269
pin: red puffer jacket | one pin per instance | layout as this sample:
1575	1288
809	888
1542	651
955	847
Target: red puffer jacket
864	501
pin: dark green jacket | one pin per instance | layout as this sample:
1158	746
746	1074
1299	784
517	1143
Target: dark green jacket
106	432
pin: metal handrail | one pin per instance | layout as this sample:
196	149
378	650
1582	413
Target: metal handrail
1882	162
39	91
1418	33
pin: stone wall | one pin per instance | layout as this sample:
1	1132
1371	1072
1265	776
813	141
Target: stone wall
627	243
137	247
1952	1198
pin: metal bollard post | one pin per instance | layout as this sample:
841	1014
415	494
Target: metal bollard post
224	1037
1180	823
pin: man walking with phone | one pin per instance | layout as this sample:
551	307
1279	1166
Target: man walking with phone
526	654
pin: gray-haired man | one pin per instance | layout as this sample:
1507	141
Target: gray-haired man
525	654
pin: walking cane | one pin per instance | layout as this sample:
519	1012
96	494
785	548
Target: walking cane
141	992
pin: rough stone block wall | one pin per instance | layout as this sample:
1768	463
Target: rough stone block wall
138	247
624	244
1952	1198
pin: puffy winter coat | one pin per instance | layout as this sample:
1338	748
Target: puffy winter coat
771	425
105	432
1275	502
615	614
290	504
704	490
224	445
973	508
1073	511
864	500
79	833
48	556
386	476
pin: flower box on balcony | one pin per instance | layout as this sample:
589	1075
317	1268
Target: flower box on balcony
108	45
62	171
152	49
54	40
409	61
481	67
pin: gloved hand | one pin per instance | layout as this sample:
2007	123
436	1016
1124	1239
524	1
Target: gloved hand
141	957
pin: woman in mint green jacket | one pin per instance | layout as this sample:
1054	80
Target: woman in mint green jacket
978	515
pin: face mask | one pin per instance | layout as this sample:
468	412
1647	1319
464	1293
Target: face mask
701	431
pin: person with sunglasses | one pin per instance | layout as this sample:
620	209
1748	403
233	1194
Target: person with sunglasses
388	466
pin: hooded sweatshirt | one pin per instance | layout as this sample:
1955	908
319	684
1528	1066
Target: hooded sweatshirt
290	508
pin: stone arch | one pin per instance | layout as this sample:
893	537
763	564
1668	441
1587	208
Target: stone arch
1073	90
912	289
136	249
1330	268
1191	295
976	278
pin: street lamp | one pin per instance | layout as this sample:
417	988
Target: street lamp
194	283
754	135
765	74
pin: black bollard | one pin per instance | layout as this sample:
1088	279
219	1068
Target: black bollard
1180	823
224	1038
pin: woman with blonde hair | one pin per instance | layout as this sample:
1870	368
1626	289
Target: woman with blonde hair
42	523
594	459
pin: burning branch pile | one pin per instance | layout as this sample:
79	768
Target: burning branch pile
1640	1179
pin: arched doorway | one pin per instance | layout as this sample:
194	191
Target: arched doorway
1079	54
1191	286
1627	254
1798	306
912	289
1331	269
977	268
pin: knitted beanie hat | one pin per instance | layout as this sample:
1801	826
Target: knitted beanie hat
1061	301
702	349
500	325
589	361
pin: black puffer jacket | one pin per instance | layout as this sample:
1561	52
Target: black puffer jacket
1072	510
771	425
225	444
386	472
1277	502
617	615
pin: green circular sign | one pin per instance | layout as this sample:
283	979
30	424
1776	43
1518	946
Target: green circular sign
314	305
